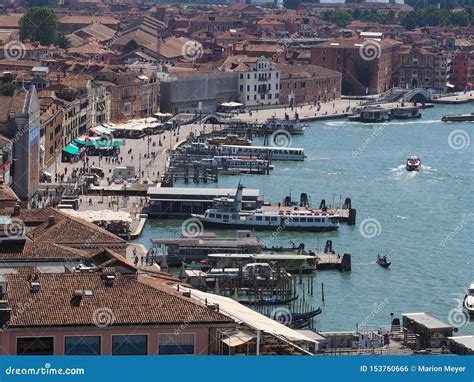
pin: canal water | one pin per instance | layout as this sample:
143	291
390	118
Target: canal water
422	221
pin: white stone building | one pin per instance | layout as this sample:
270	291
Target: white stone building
258	80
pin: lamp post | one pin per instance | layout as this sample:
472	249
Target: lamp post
139	165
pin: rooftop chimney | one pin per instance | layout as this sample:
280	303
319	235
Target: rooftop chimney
16	210
50	221
77	297
109	280
35	286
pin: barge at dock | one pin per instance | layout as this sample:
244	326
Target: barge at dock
274	153
228	213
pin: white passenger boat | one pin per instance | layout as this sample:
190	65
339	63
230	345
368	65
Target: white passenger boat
294	126
228	213
230	162
229	139
274	153
469	300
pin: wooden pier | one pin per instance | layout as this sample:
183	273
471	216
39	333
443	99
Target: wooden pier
331	261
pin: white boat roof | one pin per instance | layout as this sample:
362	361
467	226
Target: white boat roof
201	191
260	256
241	314
269	256
231	255
471	286
266	147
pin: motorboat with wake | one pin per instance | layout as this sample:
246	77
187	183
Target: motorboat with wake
413	163
383	261
468	304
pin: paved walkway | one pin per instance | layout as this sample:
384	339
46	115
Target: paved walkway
332	108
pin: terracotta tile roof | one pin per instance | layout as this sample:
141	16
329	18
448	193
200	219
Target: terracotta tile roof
308	71
66	229
130	301
43	251
7	194
88	20
10	21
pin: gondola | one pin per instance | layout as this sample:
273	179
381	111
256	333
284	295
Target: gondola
383	262
269	301
305	316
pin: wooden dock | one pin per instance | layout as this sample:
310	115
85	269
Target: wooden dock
331	261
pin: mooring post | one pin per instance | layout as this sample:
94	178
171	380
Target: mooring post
322	291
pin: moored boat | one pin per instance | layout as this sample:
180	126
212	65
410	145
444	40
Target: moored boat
228	213
406	112
265	152
292	126
468	303
241	163
413	163
230	139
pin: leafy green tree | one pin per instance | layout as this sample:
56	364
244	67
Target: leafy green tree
353	1
460	18
291	4
7	89
40	3
339	17
39	24
409	22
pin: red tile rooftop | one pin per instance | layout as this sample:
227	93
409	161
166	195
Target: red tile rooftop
132	301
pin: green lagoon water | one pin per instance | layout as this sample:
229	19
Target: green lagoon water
423	221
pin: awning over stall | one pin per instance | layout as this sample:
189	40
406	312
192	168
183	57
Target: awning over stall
71	149
239	338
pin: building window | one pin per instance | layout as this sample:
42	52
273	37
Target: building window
172	344
82	345
127	106
241	88
241	76
35	346
129	345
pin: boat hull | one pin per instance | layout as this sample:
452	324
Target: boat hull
265	227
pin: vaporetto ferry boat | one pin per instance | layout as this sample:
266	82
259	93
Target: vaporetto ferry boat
274	153
226	162
228	213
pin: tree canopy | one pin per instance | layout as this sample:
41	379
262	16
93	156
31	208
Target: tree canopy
39	3
291	4
39	24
